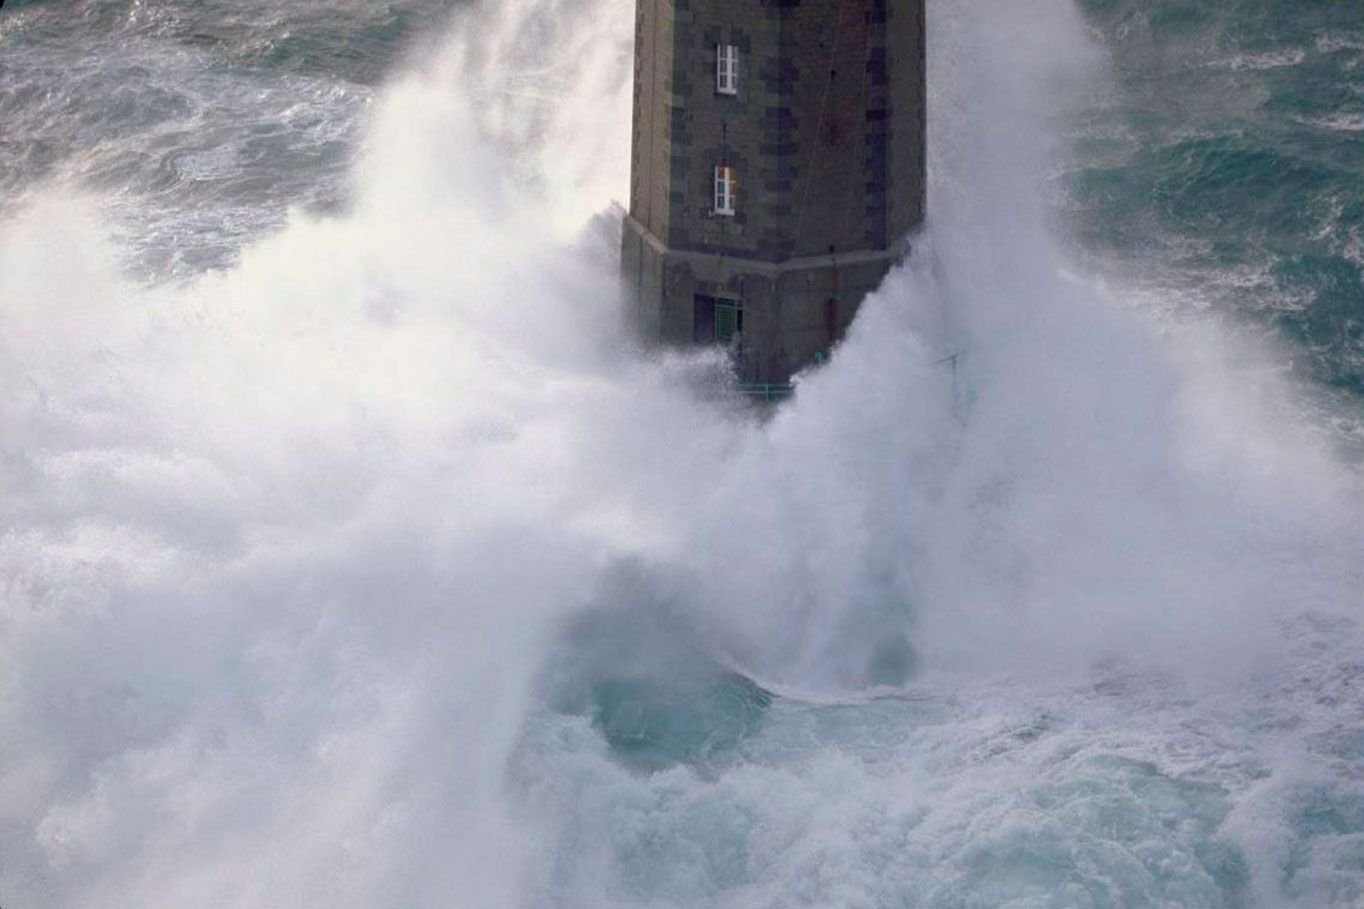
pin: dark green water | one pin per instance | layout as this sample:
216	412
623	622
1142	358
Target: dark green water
1229	155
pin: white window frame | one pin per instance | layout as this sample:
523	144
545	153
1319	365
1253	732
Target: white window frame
726	180
726	69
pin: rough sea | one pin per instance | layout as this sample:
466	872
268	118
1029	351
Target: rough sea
353	553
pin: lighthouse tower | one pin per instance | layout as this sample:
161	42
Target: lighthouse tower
777	170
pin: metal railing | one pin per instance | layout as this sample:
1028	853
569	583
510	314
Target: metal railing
769	392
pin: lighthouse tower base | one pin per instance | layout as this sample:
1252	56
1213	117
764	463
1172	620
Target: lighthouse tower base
775	317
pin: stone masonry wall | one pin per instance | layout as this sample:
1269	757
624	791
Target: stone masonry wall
833	150
651	139
906	191
826	136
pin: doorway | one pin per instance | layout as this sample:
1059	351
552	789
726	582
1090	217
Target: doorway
716	320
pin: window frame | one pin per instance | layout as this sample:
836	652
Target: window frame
727	69
724	190
729	320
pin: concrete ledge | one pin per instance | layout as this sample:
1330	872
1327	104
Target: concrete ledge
707	262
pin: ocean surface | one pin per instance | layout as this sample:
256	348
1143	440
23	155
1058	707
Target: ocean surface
353	554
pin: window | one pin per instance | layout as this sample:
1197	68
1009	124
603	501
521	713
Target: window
716	320
726	69
729	320
725	185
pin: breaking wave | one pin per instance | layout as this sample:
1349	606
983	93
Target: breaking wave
384	568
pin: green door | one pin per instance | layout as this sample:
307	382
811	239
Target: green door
729	320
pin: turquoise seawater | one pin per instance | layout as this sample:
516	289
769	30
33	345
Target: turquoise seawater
1230	154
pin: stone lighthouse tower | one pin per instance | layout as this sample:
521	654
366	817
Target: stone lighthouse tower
778	169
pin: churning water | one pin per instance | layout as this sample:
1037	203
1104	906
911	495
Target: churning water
353	554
